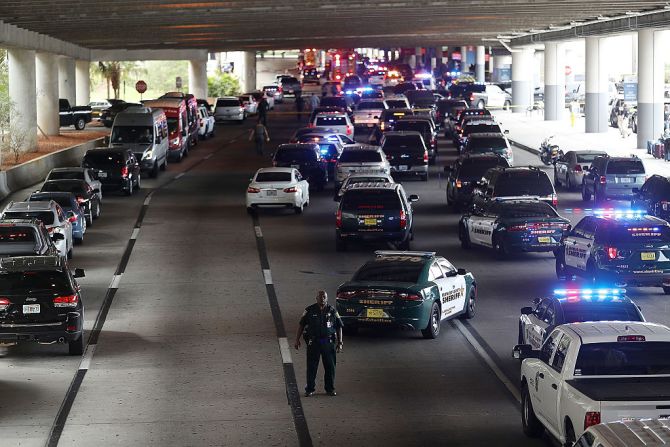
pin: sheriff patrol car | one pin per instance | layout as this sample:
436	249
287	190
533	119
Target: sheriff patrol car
622	247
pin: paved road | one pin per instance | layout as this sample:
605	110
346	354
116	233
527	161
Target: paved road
189	354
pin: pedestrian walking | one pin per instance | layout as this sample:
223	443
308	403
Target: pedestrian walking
623	122
299	104
321	327
314	101
260	135
263	108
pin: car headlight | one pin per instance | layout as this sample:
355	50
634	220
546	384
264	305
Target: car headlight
148	154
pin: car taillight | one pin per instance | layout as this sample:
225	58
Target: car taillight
459	184
472	96
73	219
348	129
291	189
554	200
603	179
4	303
338	219
408	296
403	219
311	125
66	301
521	227
279	90
591	418
577	168
425	156
611	252
124	171
51	229
251	189
382	126
347	295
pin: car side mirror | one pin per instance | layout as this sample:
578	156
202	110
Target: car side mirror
79	273
526	310
57	237
413	198
521	352
461	271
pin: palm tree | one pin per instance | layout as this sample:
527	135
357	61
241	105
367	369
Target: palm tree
113	72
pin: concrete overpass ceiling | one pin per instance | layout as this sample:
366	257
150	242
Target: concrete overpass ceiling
277	24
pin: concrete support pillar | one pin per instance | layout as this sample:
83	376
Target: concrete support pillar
46	73
418	51
480	63
83	82
197	79
22	92
67	79
522	75
249	71
500	63
554	81
650	85
412	61
465	63
596	86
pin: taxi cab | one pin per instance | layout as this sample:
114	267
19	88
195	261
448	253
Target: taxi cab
574	305
619	246
407	289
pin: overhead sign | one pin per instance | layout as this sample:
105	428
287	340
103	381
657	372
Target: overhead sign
141	87
178	83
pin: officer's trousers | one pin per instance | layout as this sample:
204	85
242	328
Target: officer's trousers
317	351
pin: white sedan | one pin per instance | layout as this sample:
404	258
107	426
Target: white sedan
278	187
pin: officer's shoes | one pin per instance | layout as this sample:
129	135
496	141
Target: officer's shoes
309	393
332	393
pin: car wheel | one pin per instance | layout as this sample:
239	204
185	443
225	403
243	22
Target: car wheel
76	347
464	237
480	104
470	305
79	240
340	244
165	163
570	437
80	124
531	425
433	329
586	195
499	247
298	209
251	210
666	290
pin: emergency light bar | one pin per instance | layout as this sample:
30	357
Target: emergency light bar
423	76
588	292
608	212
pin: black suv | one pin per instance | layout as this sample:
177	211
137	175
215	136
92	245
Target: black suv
517	182
613	178
376	212
407	153
462	176
486	143
389	117
23	237
117	168
306	158
653	197
427	130
40	302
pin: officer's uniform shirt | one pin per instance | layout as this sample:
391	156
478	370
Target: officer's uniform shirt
321	325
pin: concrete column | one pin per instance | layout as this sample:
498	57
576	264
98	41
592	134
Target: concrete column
249	71
22	92
418	51
412	61
46	70
67	79
500	62
522	75
650	85
83	82
465	63
197	79
596	86
554	81
480	63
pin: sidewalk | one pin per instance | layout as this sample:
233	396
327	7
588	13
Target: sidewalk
528	130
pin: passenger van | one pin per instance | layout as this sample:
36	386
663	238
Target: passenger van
177	122
145	132
191	113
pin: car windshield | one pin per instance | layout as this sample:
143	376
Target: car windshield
226	103
360	157
587	158
410	142
47	217
370	105
476	170
326	121
295	154
21	283
173	125
587	311
64	186
371	199
623	359
66	175
17	234
396	103
535	209
392	271
487	144
102	159
132	134
524	183
273	177
633	233
625	167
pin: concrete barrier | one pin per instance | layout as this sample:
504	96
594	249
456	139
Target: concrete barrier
34	171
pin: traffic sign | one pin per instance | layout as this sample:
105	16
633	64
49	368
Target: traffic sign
141	87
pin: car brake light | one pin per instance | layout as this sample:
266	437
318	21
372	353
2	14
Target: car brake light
66	301
338	219
348	129
554	200
611	252
251	189
124	171
4	303
403	220
73	219
603	179
291	189
408	296
346	295
459	184
51	229
521	227
425	156
577	168
591	418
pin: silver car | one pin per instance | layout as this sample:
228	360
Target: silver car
570	168
229	108
360	159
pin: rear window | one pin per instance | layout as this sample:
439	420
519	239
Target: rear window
404	142
21	283
396	103
66	175
486	144
478	169
360	157
419	126
46	217
333	102
447	106
370	200
295	155
481	128
587	158
623	359
633	233
585	311
290	80
524	183
393	271
103	159
132	134
331	121
17	234
372	105
625	167
273	177
63	186
522	210
227	103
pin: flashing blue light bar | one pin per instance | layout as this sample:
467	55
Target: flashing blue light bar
608	212
349	92
588	292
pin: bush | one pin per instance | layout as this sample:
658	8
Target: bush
223	84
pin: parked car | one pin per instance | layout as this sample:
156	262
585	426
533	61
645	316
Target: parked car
229	108
407	153
653	197
307	159
87	198
26	237
570	168
273	187
117	168
206	123
108	115
613	178
97	107
73	116
74	173
73	211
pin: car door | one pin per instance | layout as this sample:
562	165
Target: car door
561	167
475	225
584	244
484	226
574	245
536	328
456	289
544	398
552	382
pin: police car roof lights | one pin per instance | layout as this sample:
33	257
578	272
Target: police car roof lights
423	254
590	295
609	212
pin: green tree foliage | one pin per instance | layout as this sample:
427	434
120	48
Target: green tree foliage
223	84
115	72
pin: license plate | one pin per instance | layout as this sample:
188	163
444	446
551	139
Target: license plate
544	240
102	174
625	180
648	256
403	167
370	221
31	308
271	192
374	313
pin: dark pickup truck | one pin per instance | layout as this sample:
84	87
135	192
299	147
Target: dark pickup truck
74	116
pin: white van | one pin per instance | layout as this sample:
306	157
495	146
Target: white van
144	131
629	433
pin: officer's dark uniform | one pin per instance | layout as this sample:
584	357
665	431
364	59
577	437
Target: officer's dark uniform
320	335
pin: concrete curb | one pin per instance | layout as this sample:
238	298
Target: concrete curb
33	171
524	147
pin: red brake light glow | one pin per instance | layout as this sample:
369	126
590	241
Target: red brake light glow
66	301
124	171
577	168
338	219
253	190
4	303
408	296
624	338
591	418
291	189
73	219
403	219
603	179
611	252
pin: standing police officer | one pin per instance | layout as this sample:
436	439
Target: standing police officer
321	326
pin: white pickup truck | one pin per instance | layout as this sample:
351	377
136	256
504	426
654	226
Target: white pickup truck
367	112
588	373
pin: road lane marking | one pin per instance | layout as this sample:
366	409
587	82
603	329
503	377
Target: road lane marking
285	350
116	280
267	275
148	200
136	232
85	363
487	358
258	231
178	176
209	156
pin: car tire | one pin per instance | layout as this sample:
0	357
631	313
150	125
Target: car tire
80	124
586	195
164	165
480	104
79	240
666	290
76	347
340	244
529	422
570	436
464	238
298	209
433	329
470	305
251	210
499	247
